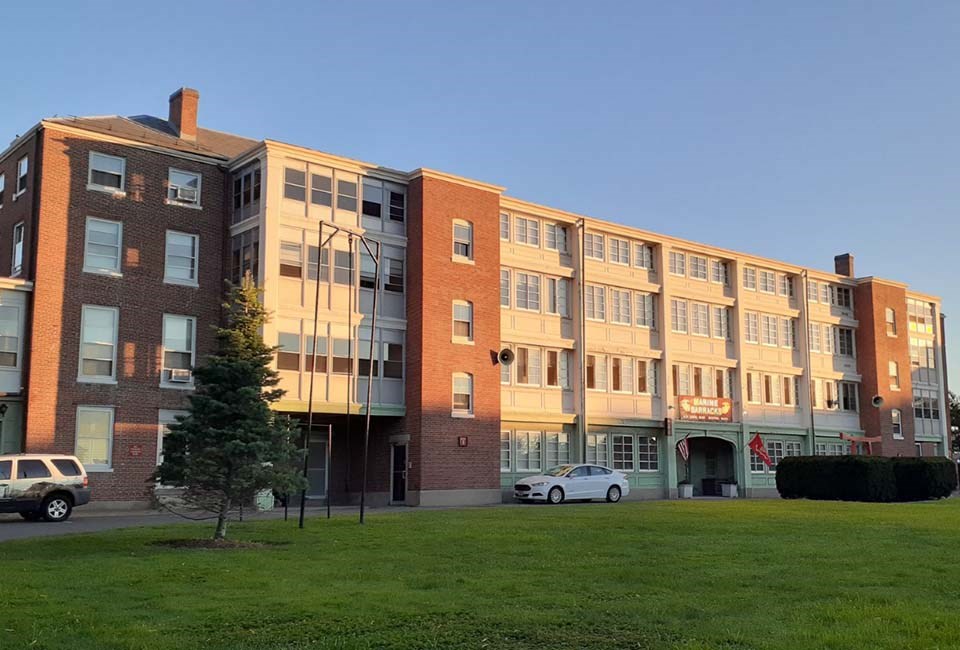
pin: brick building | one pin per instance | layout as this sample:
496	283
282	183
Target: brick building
122	230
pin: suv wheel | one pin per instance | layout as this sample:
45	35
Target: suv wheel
56	508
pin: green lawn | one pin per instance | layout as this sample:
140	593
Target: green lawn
720	574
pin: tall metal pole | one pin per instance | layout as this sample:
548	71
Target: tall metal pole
326	474
582	352
811	386
350	303
313	374
373	336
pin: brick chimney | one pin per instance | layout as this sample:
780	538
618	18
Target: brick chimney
183	112
843	264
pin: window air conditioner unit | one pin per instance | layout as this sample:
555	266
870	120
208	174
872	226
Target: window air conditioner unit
187	194
180	375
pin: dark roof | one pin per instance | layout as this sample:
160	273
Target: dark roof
160	133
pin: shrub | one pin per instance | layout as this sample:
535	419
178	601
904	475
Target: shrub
865	478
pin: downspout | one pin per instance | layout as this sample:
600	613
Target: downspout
582	343
31	273
805	304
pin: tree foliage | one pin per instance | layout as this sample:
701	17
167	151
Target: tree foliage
231	445
954	419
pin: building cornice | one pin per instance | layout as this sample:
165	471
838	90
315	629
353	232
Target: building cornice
331	160
424	172
19	140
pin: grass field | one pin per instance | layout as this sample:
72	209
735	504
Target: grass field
720	574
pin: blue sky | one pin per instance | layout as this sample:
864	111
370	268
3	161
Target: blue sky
792	130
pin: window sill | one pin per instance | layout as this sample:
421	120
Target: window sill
181	283
114	192
191	206
112	274
462	341
463	260
96	380
463	416
94	469
173	386
17	195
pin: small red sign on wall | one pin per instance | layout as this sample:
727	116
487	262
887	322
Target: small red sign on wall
136	451
463	441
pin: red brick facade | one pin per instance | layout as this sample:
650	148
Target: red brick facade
438	462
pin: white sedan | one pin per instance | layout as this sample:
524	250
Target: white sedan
573	482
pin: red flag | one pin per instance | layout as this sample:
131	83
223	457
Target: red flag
760	450
684	448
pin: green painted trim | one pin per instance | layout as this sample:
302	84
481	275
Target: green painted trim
777	431
686	425
527	417
593	427
530	425
625	422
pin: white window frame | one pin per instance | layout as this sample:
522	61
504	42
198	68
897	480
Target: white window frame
506	274
167	279
619	251
643	256
699	268
460	257
454	411
593	242
187	204
16	258
896	423
621	308
679	322
767	281
721	323
528	281
699	316
506	437
530	229
750	278
99	379
165	417
720	272
457	338
646	310
96	187
677	263
751	327
164	382
597	296
560	237
504	226
87	268
76	436
23	169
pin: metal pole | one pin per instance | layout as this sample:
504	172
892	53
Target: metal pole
313	374
811	386
352	285
373	336
326	474
582	352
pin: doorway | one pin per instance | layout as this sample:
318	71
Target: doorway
398	474
711	464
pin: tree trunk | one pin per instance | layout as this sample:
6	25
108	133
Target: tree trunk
221	532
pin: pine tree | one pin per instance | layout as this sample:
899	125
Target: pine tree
231	445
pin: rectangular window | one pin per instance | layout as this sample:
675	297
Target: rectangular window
643	256
291	259
775	451
619	251
556	237
22	167
321	190
463	320
647	454
101	251
830	393
678	263
462	393
106	172
347	196
343	267
595	302
557	296
593	246
463	240
598	451
681	379
319	353
394	280
98	343
288	354
678	316
9	336
623	453
529	451
720	385
845	341
620	307
919	316
621	373
814	337
95	436
848	396
843	297
750	278
895	419
768	329
757	466
553	368
398	206
294	184
528	291
700	321
643	384
372	200
183	187
558	449
527	231
3	187
786	286
505	461
16	264
812	291
504	288
751	327
528	366
753	388
393	359
246	194
596	372
720	272
721	323
245	255
771	390
789	394
181	258
788	332
768	281
178	348
698	381
646	314
826	294
891	318
505	227
342	350
894	372
698	267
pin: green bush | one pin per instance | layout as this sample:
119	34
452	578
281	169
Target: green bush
865	478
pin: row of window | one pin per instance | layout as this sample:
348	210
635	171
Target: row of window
98	347
20	186
534	451
776	449
333	355
770	330
524	292
305	262
832	339
699	267
103	252
828	294
109	174
622	374
526	231
378	200
926	412
618	251
923	361
95	432
920	316
700	319
701	381
537	367
773	390
625	307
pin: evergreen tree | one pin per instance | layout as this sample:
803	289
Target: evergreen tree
231	445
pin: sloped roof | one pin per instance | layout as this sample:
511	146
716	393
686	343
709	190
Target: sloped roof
159	132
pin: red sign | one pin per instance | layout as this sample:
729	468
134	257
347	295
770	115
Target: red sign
760	450
463	441
136	451
706	409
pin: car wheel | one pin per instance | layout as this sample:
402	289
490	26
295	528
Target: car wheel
613	494
30	515
56	508
555	496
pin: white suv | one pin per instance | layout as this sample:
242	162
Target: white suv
46	486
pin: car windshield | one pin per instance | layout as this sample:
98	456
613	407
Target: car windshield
559	470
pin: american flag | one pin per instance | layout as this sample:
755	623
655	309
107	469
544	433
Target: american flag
684	449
